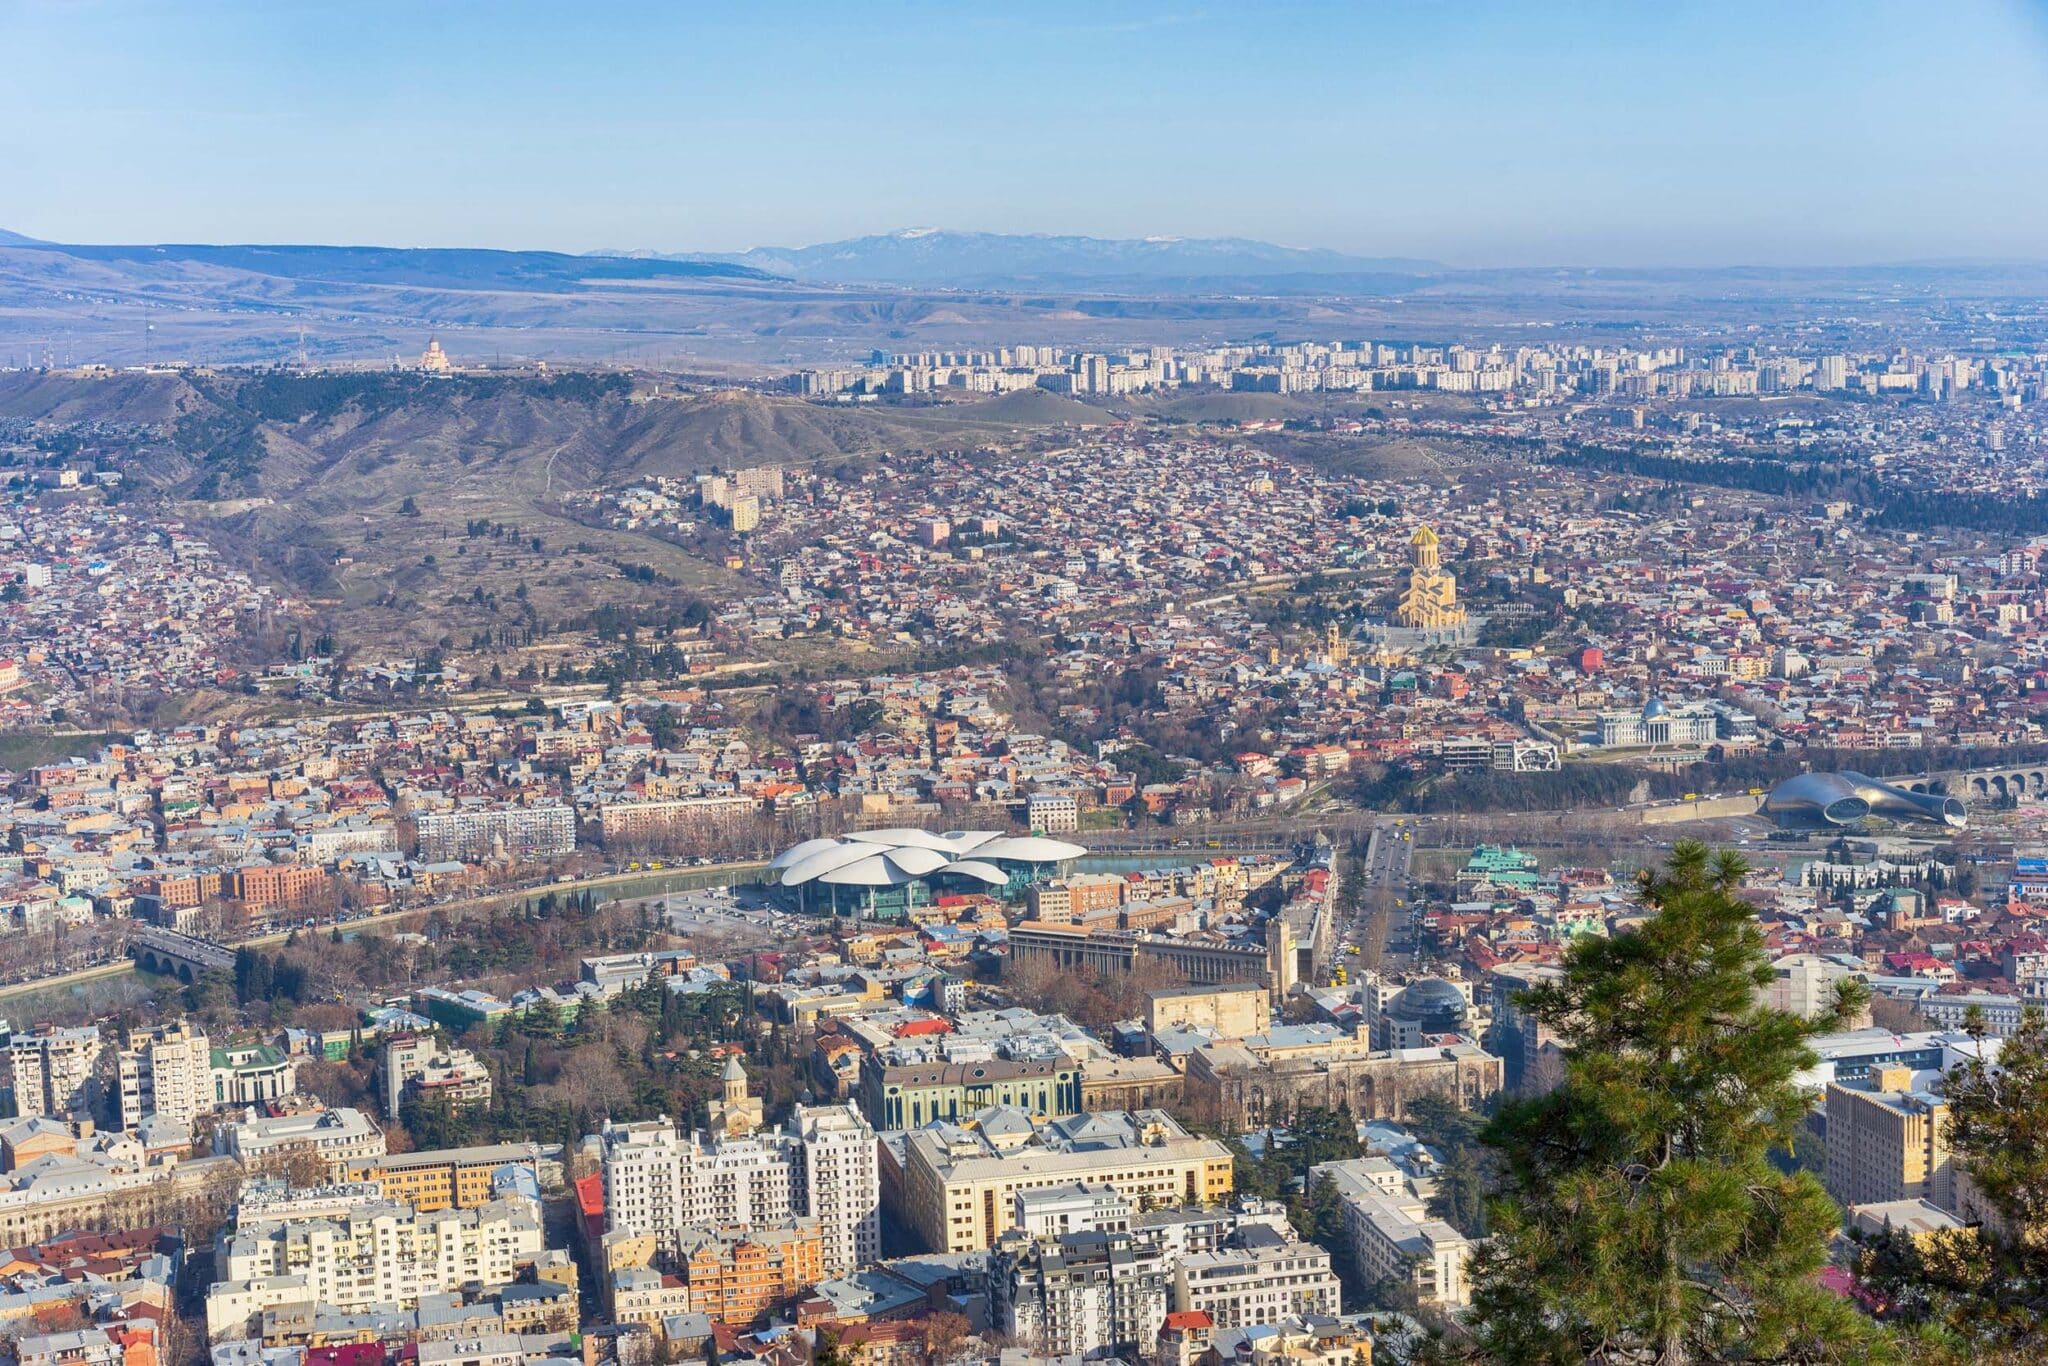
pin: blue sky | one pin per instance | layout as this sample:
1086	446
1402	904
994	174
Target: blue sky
1549	132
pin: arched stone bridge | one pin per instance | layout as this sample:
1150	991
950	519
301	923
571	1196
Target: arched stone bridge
1982	784
184	956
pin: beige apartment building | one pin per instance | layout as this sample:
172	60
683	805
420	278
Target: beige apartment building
1885	1141
958	1188
1234	1010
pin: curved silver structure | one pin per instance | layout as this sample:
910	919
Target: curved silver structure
1816	799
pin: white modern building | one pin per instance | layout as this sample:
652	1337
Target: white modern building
1692	723
838	1182
1391	1233
882	873
55	1071
375	1252
825	1166
166	1071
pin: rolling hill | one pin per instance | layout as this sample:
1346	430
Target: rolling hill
360	492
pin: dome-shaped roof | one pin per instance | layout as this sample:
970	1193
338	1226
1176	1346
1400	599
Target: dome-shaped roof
889	858
837	855
797	853
915	860
1029	849
1655	707
873	871
1430	998
982	872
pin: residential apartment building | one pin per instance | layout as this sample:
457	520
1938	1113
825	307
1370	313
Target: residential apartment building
93	1346
1090	1293
166	1071
56	1071
1391	1234
1885	1141
533	832
838	1183
627	824
418	1066
281	886
735	1277
371	1253
958	1184
659	1182
1051	813
1268	1275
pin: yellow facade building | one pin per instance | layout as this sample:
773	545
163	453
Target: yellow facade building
1233	1010
1430	602
1886	1142
441	1178
958	1189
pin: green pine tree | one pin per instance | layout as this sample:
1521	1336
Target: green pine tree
1640	1217
1981	1294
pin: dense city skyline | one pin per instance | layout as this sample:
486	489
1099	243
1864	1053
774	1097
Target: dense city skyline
1024	776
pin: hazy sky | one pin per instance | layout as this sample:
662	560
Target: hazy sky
1571	132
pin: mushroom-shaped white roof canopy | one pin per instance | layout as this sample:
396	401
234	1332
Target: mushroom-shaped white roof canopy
1028	849
889	858
979	871
797	853
874	871
916	860
825	860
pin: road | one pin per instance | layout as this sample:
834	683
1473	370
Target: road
1388	856
678	879
1385	870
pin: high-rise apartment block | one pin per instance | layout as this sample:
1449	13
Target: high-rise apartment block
838	1183
1886	1141
56	1071
368	1252
167	1071
661	1183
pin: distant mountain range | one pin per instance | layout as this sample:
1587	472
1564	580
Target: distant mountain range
415	267
938	258
123	304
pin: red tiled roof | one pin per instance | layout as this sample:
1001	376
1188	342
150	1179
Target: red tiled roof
590	1195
